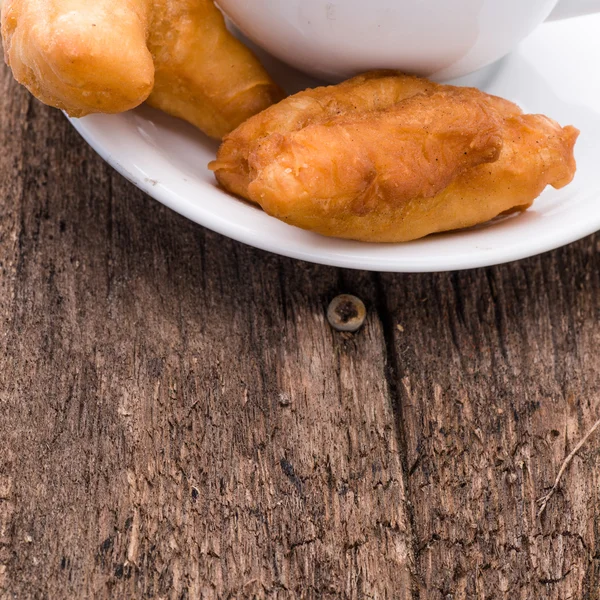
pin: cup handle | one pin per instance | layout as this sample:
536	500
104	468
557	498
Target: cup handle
574	8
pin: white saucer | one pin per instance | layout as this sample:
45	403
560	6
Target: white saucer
553	72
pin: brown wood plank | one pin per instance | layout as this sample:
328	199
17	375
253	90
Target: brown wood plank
498	378
177	418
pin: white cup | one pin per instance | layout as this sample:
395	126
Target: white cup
442	39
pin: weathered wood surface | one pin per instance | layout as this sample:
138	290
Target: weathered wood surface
178	420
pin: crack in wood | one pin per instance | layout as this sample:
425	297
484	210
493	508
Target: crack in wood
393	375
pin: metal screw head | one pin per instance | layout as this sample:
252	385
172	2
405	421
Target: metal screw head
346	313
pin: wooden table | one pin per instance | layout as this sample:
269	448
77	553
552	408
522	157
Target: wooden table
178	420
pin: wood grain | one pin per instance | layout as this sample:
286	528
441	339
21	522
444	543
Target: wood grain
498	380
178	420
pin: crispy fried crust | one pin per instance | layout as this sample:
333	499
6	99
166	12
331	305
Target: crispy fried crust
374	91
203	74
391	158
111	55
77	56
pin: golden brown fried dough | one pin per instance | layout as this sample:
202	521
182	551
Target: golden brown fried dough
366	93
203	74
80	56
390	158
111	55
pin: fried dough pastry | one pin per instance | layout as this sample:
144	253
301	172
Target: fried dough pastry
111	55
204	74
391	158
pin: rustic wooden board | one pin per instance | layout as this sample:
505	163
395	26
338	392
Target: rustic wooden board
178	420
498	377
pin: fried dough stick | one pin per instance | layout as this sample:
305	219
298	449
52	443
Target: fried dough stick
373	91
395	164
81	57
536	152
111	55
203	74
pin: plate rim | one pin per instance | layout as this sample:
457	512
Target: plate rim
164	191
484	258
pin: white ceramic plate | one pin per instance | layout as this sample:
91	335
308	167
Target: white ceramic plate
553	72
